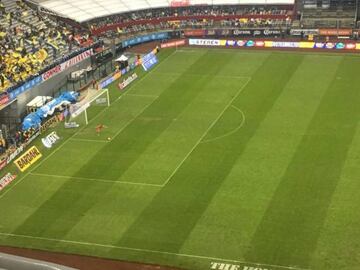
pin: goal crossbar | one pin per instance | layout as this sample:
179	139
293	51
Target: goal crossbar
82	106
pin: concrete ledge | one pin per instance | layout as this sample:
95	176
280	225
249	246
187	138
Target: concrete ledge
11	262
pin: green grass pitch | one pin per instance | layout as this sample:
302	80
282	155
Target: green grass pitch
216	156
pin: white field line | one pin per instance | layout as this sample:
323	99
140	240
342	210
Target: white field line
207	131
231	132
95	180
72	136
196	74
219	50
41	162
88	140
132	120
145	250
140	95
188	50
269	50
142	78
127	93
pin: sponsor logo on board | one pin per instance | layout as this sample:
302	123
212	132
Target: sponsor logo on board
50	139
28	158
6	180
128	81
229	266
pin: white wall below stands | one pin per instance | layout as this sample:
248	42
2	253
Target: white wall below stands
48	87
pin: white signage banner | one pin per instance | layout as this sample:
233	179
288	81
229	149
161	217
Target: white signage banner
71	62
204	42
50	140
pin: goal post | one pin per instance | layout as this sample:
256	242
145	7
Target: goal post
91	104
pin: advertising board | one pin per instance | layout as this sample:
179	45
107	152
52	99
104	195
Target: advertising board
48	74
6	180
173	44
49	123
50	139
179	3
335	32
4	98
128	81
25	87
204	42
195	33
282	44
145	38
67	64
3	164
149	60
276	44
28	158
110	79
304	32
257	32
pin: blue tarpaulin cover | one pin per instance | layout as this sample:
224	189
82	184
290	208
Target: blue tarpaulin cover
34	119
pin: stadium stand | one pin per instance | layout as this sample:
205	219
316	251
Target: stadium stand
86	10
37	35
29	42
329	13
195	17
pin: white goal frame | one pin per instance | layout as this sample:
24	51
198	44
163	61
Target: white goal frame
86	103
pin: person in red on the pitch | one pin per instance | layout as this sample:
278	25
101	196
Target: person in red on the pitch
99	128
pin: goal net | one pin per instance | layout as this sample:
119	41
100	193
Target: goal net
91	103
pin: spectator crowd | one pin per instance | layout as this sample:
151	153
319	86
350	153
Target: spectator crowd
33	41
128	20
30	41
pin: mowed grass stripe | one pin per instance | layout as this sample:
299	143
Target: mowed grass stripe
338	246
67	134
118	208
148	126
109	215
167	222
16	208
129	144
239	205
294	219
176	141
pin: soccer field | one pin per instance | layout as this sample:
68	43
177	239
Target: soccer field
215	156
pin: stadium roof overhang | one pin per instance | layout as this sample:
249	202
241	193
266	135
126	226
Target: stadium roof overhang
85	10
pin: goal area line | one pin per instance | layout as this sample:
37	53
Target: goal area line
20	179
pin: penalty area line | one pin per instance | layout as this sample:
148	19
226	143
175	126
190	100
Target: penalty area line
207	131
89	140
75	178
10	188
140	95
81	243
202	75
144	76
